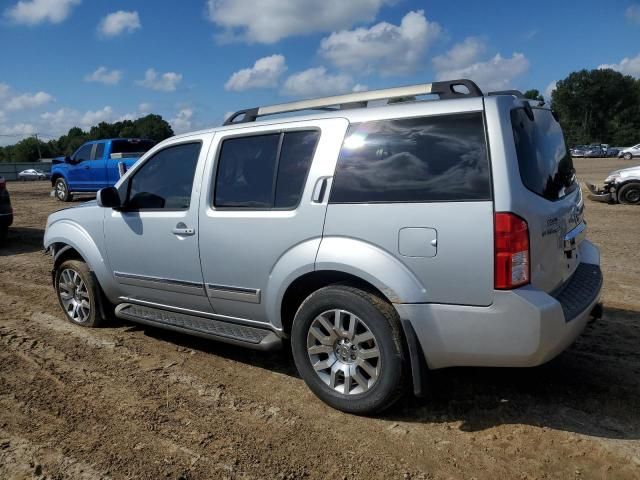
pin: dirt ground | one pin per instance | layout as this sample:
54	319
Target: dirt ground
126	401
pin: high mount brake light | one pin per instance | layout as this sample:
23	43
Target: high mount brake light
512	253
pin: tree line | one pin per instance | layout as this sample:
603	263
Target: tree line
30	149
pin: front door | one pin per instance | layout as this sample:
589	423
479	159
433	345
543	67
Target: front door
152	245
79	172
265	204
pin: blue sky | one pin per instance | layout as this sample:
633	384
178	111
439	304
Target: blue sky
78	62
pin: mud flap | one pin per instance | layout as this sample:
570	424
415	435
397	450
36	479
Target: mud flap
417	360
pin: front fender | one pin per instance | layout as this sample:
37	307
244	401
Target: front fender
68	232
372	264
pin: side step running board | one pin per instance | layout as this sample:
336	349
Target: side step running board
251	337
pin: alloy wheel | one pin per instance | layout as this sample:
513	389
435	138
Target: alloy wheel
343	352
74	296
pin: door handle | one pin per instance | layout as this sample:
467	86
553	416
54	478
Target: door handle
182	230
319	190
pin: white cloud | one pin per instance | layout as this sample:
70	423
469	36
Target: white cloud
461	55
268	21
4	90
119	22
28	100
93	118
144	108
358	87
63	119
549	90
165	82
316	82
181	123
265	73
463	61
633	14
384	48
33	12
627	66
104	75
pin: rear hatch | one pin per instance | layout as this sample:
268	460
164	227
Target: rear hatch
555	212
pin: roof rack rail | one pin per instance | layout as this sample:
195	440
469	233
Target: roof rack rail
515	93
445	90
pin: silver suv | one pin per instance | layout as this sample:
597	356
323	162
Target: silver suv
378	238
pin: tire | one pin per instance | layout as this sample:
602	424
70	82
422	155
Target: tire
4	231
629	194
62	190
628	156
372	388
75	284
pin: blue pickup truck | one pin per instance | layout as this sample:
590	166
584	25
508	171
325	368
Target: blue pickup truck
95	165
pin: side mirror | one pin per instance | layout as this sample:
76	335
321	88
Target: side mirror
67	159
109	197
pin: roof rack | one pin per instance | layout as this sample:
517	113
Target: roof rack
444	90
515	93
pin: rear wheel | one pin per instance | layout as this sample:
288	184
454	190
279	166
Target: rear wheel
78	293
62	190
347	346
629	194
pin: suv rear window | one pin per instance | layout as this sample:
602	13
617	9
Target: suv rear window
425	159
545	163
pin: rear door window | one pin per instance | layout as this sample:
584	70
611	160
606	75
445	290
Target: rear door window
424	159
99	153
264	171
546	167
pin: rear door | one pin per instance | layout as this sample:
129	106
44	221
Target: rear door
260	207
98	175
419	188
552	202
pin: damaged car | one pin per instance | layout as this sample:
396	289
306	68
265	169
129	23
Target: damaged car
620	186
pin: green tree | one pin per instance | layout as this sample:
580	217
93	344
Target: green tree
29	150
598	106
153	127
533	94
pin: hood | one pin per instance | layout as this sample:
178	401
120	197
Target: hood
627	172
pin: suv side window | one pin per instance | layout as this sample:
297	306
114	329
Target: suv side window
264	171
424	159
84	153
99	153
165	180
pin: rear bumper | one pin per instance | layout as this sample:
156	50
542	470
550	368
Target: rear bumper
522	328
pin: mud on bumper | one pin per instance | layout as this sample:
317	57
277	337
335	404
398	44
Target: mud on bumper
606	194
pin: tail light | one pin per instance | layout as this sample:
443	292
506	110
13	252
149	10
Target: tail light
512	255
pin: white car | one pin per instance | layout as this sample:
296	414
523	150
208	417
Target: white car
629	153
32	174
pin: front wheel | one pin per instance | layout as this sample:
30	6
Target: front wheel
347	347
62	190
629	194
78	293
628	156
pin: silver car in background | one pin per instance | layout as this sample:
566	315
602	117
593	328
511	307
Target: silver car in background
377	241
630	152
32	174
620	186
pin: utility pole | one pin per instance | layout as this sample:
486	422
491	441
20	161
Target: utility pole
38	145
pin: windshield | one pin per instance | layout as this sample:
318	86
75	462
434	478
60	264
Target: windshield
131	147
545	163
